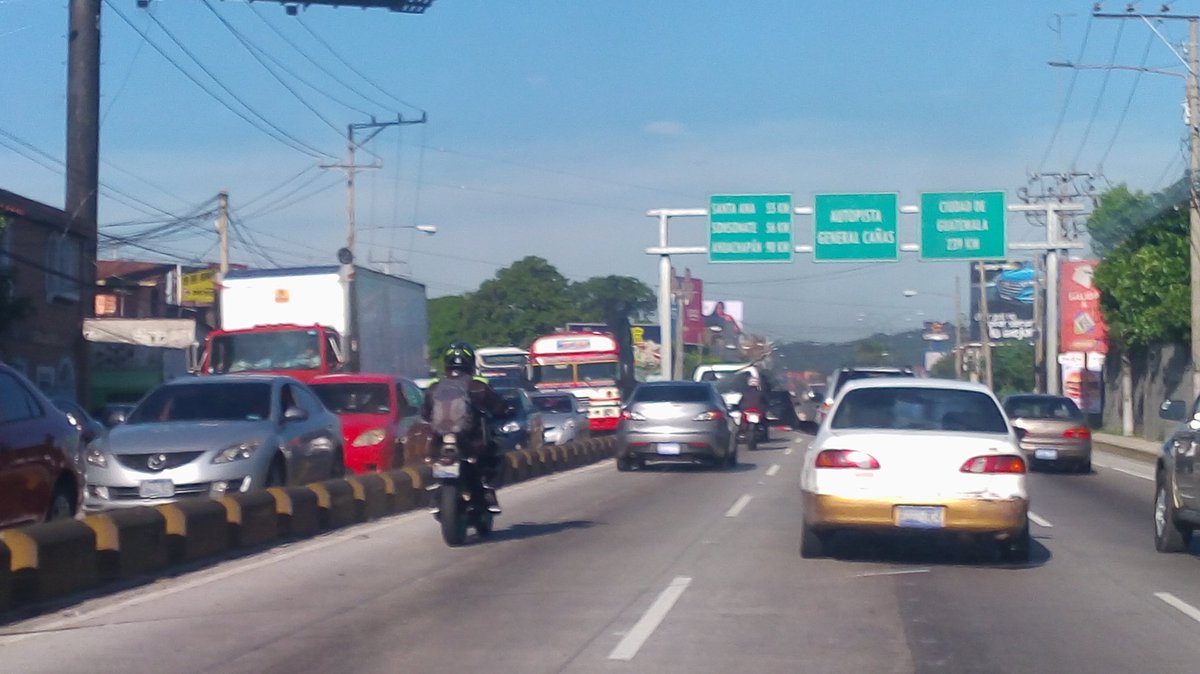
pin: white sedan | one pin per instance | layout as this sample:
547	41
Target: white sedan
903	455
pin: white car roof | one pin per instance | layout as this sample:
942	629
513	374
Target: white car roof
914	382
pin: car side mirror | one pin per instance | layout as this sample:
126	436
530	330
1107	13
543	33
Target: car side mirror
1173	410
294	413
116	418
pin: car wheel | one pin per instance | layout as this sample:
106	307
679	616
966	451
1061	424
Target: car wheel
1015	550
624	464
1169	536
1085	466
62	505
812	544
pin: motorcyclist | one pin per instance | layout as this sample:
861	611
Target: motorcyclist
486	404
752	395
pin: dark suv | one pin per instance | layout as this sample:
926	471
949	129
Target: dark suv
1176	481
849	374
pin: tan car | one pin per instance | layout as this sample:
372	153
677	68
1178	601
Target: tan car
1052	430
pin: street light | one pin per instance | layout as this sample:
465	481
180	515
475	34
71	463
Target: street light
425	229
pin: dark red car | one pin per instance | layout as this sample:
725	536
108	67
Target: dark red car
39	476
381	419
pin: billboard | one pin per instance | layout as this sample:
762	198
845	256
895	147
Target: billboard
1081	325
1011	286
647	350
691	292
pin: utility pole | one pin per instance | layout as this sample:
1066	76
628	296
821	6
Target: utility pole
223	230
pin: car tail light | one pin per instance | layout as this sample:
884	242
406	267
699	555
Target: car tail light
1077	433
846	458
629	415
1005	463
711	415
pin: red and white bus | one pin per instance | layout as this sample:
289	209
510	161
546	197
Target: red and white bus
584	363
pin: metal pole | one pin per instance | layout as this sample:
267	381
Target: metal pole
985	337
958	343
223	230
1050	327
350	168
664	297
1039	320
1193	100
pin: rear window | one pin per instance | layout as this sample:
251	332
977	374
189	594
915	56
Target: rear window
677	393
553	403
1042	408
360	398
919	409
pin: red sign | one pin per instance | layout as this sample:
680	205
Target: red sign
689	292
1082	326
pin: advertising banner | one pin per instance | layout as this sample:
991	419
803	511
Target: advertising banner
1082	326
1011	287
647	350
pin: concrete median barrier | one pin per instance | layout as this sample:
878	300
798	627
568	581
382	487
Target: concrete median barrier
372	499
335	499
51	560
410	485
296	511
129	543
196	528
251	517
515	468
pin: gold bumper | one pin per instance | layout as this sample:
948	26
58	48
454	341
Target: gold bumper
962	515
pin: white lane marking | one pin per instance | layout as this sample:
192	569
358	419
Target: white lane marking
737	506
1099	465
273	556
1039	520
902	572
1135	474
636	637
773	470
1180	605
787	451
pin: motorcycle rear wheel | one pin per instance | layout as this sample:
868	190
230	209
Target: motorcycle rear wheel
452	515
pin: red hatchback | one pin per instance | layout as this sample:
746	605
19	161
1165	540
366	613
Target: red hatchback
381	419
39	478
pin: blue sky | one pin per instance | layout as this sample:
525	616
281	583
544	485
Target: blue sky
555	124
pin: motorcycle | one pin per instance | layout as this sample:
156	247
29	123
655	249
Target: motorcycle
752	427
460	498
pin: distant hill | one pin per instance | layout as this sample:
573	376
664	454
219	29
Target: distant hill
905	349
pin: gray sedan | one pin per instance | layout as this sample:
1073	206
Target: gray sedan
209	436
679	421
564	418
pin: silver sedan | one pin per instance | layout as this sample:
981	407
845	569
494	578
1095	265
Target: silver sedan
677	421
208	436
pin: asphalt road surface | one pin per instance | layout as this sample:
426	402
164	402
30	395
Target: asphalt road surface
673	569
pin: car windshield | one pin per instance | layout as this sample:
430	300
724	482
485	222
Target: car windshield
920	409
354	398
266	351
1032	407
227	401
671	393
553	403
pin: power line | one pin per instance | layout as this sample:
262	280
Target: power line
1087	131
262	123
282	202
1137	78
1062	112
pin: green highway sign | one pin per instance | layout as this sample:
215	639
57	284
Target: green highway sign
859	227
962	226
750	228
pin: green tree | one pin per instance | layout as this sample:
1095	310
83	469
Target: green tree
446	322
615	300
1012	368
524	300
944	368
1143	281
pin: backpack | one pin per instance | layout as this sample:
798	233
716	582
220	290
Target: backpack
451	410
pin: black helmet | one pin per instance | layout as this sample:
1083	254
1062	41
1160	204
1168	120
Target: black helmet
459	357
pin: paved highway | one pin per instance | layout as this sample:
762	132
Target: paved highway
668	570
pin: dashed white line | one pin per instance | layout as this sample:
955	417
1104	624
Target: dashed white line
1180	605
787	451
901	572
636	637
1130	472
1039	520
773	470
737	506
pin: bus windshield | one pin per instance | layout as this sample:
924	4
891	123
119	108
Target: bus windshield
559	373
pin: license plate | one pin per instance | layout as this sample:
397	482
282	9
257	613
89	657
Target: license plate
921	517
444	471
670	448
156	489
1045	454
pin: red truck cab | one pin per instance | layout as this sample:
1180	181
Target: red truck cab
300	351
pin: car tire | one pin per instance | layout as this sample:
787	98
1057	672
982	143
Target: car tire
1085	466
812	544
1169	535
62	505
1016	550
624	464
